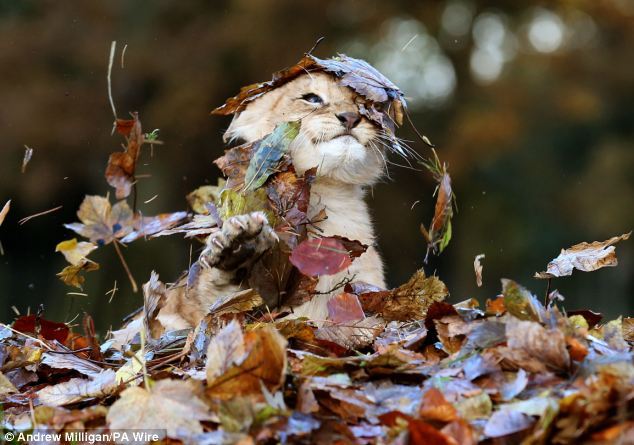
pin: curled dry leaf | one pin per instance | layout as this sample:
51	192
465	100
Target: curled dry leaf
407	302
154	298
72	275
477	266
144	226
325	256
439	233
585	257
170	405
535	348
122	165
237	363
77	390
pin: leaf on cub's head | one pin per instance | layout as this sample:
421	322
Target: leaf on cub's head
384	103
102	223
122	165
585	257
268	154
325	256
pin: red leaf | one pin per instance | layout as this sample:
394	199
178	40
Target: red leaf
345	308
50	330
325	256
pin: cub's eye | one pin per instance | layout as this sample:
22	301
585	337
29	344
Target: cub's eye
312	99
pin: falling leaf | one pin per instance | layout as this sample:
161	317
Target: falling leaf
72	275
4	211
267	154
101	222
477	266
28	154
585	257
325	256
145	226
77	390
407	302
439	233
172	406
75	252
122	165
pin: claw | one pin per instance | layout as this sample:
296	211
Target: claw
217	243
240	224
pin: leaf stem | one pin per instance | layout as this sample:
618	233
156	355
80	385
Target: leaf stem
135	288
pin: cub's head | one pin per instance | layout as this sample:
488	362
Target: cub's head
340	133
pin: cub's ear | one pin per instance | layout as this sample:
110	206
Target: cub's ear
257	120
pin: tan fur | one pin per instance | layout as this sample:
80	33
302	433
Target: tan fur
347	164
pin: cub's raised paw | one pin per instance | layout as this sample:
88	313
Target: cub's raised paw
241	240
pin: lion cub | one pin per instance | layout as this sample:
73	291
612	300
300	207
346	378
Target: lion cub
348	152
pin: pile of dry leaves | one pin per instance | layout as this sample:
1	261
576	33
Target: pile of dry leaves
388	367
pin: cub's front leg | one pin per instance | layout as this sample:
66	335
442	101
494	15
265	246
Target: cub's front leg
221	268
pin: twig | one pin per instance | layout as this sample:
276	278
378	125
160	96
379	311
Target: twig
135	288
45	212
113	48
123	55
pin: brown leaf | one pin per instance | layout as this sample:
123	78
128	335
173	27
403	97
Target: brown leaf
122	165
420	433
585	257
172	406
435	407
237	363
407	302
234	164
536	349
72	275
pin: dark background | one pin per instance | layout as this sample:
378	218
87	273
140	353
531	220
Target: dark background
529	102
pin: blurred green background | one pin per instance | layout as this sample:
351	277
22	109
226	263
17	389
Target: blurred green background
530	103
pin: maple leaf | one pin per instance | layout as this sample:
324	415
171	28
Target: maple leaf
170	405
325	256
101	222
585	257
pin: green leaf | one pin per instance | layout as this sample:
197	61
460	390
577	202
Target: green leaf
268	153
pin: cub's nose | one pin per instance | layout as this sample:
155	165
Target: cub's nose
349	119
